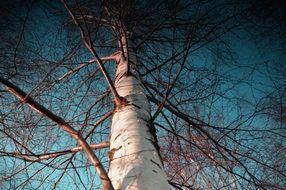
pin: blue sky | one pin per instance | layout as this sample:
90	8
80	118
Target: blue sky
255	65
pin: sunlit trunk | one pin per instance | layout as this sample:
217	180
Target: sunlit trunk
134	159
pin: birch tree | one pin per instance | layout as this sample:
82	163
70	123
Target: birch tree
122	94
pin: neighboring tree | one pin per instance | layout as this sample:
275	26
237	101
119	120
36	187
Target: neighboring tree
159	83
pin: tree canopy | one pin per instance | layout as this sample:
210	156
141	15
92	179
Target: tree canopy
213	72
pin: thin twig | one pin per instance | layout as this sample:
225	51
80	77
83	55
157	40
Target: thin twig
88	45
47	156
22	96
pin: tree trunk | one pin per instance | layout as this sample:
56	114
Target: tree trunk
135	162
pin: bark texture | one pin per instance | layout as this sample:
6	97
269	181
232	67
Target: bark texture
134	160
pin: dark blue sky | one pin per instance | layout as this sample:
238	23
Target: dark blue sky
242	85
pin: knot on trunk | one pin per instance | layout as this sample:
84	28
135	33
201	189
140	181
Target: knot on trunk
120	102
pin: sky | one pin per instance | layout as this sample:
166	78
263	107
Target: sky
259	54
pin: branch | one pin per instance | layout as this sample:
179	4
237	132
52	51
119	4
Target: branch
104	117
88	44
170	87
39	157
112	57
73	70
218	146
22	96
81	66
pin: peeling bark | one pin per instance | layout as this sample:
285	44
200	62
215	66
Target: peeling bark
134	159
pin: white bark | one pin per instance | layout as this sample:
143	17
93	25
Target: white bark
134	161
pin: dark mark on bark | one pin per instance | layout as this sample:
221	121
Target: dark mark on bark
118	78
120	102
156	163
152	131
131	176
117	136
135	106
112	152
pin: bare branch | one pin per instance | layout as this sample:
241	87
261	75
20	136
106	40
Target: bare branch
22	96
47	156
88	45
